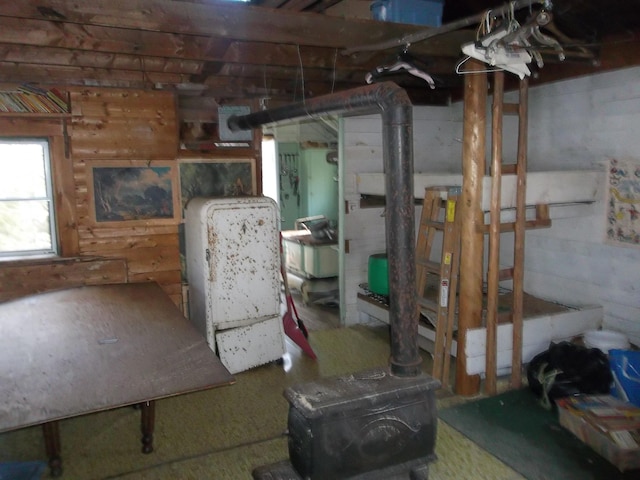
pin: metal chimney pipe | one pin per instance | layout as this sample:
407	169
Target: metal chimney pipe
397	127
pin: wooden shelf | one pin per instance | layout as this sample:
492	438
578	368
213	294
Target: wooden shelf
28	99
36	114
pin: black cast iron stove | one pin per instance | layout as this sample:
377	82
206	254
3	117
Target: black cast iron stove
369	425
369	421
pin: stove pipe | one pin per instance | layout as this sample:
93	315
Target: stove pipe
397	129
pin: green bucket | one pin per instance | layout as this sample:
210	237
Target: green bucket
379	274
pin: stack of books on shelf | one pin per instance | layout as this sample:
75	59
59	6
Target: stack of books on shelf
28	98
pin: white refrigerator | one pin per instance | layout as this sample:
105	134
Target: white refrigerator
233	269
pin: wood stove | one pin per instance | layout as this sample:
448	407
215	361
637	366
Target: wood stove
369	425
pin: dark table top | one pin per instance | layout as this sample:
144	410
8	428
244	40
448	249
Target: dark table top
82	350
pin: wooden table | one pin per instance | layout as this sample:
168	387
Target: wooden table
88	349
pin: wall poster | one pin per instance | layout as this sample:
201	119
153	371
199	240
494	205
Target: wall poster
623	204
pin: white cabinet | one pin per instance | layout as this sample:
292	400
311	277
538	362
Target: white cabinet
233	268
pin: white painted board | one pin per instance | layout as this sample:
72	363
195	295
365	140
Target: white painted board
557	187
537	334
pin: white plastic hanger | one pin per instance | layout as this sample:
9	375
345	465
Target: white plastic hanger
403	64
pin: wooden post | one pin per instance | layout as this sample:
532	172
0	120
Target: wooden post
519	232
471	218
493	276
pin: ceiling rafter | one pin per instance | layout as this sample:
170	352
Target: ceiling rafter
241	50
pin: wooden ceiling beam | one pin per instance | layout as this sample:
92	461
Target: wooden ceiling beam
265	74
132	42
292	87
104	39
126	47
322	5
316	57
81	58
616	51
297	5
272	3
226	20
17	73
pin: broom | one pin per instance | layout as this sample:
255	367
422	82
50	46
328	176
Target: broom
293	325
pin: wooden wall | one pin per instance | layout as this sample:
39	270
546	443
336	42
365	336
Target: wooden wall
124	125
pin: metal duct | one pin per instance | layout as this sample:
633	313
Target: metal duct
397	127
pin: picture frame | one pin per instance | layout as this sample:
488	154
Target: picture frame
134	192
216	177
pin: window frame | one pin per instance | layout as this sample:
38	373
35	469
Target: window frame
54	250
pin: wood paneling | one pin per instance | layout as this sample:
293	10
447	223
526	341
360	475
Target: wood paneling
24	278
135	125
132	125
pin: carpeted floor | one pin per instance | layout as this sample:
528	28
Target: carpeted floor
223	434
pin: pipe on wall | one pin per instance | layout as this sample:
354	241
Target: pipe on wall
397	130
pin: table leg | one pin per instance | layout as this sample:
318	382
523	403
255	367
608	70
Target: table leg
51	432
148	423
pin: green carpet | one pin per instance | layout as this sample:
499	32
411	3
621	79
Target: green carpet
517	430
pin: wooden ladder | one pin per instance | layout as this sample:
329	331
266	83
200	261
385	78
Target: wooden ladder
439	214
516	272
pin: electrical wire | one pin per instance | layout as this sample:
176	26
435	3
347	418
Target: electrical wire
301	75
333	75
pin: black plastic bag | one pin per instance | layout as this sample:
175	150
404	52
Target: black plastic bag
567	369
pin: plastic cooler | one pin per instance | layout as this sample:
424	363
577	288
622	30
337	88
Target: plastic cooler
416	12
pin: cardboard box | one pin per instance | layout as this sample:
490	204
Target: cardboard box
608	425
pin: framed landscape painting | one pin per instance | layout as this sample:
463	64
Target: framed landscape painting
135	192
201	177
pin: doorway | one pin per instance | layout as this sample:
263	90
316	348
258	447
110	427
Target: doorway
300	172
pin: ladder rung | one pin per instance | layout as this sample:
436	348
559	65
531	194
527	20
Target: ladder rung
510	226
505	317
505	274
428	304
509	168
430	266
434	224
510	108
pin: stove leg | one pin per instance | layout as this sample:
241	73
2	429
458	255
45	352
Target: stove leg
419	473
147	425
51	433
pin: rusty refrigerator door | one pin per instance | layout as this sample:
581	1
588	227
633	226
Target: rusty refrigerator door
233	269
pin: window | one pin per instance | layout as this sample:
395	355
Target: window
27	216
